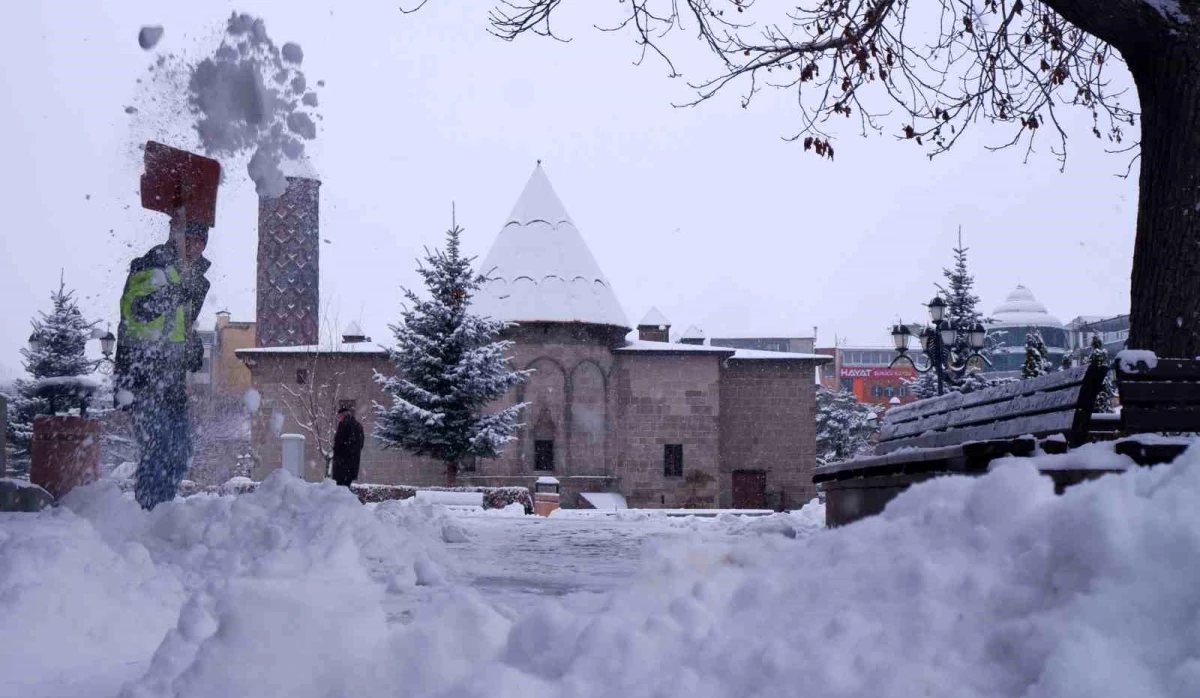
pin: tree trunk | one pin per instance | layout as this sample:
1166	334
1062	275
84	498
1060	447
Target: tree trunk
451	474
1165	284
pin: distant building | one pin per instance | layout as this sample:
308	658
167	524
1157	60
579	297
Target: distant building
661	423
802	345
866	372
1012	320
1113	332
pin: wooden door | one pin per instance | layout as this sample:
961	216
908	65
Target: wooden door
749	489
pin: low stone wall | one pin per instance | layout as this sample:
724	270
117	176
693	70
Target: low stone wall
493	497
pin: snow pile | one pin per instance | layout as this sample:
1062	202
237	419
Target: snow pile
1093	456
214	583
1136	360
965	587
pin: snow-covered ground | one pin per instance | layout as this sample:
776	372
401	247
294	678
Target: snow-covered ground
963	588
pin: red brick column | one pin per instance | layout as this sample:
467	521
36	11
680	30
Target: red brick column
65	453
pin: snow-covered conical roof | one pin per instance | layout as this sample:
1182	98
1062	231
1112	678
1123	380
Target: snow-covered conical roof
1021	309
692	332
654	318
540	268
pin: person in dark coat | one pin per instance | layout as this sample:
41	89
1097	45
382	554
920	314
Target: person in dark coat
156	348
347	447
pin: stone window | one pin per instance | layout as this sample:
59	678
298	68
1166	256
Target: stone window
673	460
302	375
543	454
467	465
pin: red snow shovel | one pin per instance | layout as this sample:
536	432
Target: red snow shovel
176	179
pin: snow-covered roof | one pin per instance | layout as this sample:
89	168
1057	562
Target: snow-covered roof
640	346
322	348
540	268
692	332
654	318
353	330
1021	309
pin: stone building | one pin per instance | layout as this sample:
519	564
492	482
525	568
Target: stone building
663	424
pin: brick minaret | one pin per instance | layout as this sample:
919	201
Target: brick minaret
288	264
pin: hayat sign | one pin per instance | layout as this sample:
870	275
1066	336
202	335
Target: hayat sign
875	372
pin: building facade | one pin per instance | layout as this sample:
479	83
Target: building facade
868	374
662	424
1112	331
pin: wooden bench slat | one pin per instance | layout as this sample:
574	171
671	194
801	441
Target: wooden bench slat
1023	405
952	401
1165	369
1136	419
1159	392
1035	425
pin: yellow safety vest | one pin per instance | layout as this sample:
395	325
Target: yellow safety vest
147	283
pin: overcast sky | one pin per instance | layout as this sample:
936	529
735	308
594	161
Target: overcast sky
704	213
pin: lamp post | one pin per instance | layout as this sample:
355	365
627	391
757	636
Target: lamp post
936	339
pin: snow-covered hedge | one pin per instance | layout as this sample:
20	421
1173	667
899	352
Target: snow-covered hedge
493	497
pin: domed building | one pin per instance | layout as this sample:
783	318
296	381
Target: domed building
660	424
1020	313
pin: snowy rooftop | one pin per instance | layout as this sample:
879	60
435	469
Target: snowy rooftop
1021	309
654	318
693	332
322	348
541	270
639	346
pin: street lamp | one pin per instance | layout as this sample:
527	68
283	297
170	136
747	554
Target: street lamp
107	343
936	340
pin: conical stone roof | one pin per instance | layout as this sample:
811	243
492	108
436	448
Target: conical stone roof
540	268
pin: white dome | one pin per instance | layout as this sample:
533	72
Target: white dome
1021	309
541	270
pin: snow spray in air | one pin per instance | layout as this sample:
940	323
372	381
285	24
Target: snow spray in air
249	97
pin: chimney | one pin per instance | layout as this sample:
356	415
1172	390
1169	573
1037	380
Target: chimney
289	238
353	334
692	335
655	327
222	319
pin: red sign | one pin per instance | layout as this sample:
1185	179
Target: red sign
875	372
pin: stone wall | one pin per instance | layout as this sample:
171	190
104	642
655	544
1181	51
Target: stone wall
229	375
609	415
667	398
330	379
768	424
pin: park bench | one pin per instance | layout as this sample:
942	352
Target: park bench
962	433
1158	396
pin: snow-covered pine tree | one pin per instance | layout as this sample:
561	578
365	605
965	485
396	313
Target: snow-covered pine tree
1098	356
925	386
62	337
449	367
1037	362
960	302
845	426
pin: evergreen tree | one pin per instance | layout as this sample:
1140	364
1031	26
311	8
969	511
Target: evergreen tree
845	426
1098	356
449	367
61	337
1037	362
961	304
